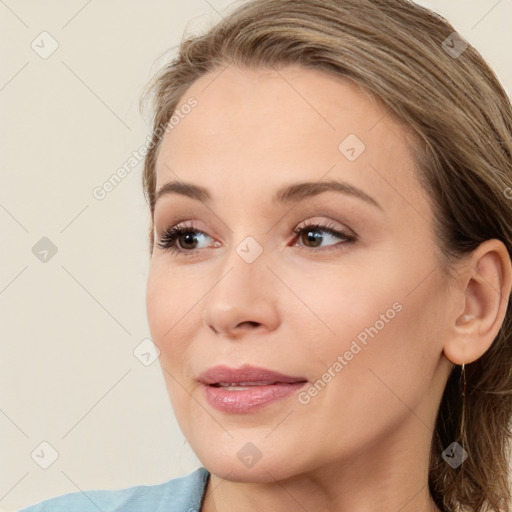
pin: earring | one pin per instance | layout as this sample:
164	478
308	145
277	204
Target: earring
463	419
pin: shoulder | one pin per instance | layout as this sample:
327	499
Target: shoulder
176	495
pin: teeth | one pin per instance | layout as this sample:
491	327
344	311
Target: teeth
238	384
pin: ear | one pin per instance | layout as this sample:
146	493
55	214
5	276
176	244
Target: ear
486	284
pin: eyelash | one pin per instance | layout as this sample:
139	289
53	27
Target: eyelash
170	236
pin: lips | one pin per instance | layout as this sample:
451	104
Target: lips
248	389
224	376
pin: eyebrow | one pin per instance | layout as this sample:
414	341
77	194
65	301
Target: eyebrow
290	193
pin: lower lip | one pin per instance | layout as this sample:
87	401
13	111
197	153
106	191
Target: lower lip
249	399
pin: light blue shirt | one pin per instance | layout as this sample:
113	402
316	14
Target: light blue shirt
183	494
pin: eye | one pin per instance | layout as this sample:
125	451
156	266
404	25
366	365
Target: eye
181	239
310	233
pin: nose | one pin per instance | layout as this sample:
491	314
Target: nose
242	299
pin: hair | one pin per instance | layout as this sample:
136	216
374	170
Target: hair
461	119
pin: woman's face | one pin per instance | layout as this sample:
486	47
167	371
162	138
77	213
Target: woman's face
358	315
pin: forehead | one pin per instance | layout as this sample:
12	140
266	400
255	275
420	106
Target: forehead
319	102
261	127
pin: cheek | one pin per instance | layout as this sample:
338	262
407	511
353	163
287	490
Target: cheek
341	303
380	381
172	308
378	319
171	319
396	365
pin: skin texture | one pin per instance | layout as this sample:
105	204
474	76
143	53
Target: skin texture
363	441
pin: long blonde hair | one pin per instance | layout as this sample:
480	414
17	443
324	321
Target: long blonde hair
412	60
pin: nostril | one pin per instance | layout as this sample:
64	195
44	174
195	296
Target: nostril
251	323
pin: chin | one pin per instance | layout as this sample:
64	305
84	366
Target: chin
239	467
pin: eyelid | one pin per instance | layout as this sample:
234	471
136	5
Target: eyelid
326	222
178	229
169	239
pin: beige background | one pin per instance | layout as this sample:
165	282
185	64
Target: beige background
69	325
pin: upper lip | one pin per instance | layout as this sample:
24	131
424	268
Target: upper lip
245	374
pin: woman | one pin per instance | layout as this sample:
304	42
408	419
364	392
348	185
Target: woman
331	230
